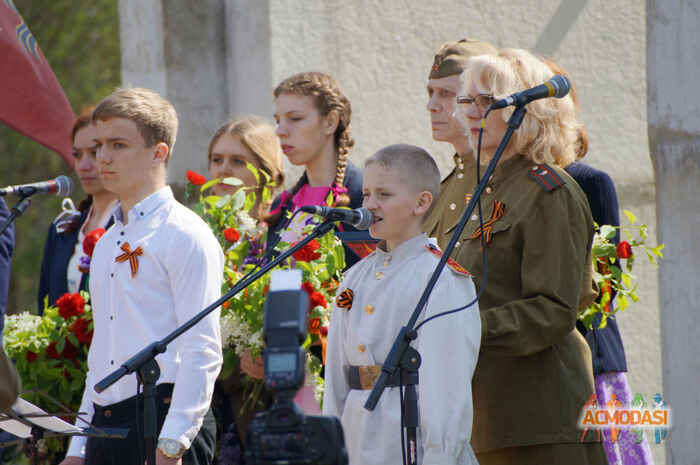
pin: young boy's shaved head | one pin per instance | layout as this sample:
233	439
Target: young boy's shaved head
412	164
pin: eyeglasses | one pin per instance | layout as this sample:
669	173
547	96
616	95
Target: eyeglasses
483	101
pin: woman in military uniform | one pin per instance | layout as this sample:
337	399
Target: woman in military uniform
534	371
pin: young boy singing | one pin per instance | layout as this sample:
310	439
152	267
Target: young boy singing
158	266
376	298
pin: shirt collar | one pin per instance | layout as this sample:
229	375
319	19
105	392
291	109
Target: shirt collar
405	250
145	207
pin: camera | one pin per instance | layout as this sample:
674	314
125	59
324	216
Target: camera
283	434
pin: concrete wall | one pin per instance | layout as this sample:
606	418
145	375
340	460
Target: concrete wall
381	51
674	138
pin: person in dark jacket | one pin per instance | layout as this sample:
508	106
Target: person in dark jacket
61	267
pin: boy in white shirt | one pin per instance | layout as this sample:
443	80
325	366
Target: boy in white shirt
376	298
158	266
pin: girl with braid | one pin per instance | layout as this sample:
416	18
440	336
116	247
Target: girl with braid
313	124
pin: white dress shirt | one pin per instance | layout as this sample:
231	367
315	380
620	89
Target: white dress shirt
179	274
387	287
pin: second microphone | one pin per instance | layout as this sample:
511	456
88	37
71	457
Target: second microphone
360	218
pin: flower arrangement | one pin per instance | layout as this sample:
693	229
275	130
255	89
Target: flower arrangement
243	238
50	354
612	265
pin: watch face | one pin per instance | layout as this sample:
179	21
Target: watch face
172	447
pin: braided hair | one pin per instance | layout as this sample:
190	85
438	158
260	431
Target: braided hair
328	98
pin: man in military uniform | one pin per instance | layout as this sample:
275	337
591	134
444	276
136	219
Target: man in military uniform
443	85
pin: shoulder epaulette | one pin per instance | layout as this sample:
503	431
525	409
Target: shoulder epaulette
546	177
454	266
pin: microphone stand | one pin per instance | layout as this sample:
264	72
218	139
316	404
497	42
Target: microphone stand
17	210
402	355
145	365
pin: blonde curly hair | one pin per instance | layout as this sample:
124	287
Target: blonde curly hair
549	132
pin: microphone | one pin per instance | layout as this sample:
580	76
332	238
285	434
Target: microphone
361	218
62	186
557	87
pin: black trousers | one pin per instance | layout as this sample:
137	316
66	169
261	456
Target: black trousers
131	451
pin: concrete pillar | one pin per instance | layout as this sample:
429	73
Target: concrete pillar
178	48
673	29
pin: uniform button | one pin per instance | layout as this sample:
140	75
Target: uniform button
474	217
121	233
369	309
379	275
457	244
452	206
111	317
108	413
460	176
111	362
361	347
111	275
489	189
141	213
119	242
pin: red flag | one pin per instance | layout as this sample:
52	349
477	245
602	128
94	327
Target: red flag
31	99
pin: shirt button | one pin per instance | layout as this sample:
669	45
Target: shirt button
369	309
452	206
474	217
111	362
460	176
457	244
111	275
107	413
111	317
121	233
119	242
379	275
489	190
361	347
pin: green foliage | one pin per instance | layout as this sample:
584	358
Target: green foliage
46	372
80	40
612	268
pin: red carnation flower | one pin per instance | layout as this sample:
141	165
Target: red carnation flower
308	288
81	329
31	356
52	352
195	178
317	299
91	239
70	305
69	352
308	252
231	234
624	250
324	331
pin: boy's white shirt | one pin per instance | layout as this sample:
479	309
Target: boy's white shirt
392	283
179	274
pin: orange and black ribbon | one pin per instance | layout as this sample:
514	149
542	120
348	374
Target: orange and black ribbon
131	256
499	209
345	298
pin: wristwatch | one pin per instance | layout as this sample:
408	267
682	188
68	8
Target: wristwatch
171	448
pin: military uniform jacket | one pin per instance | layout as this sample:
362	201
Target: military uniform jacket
534	371
376	298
